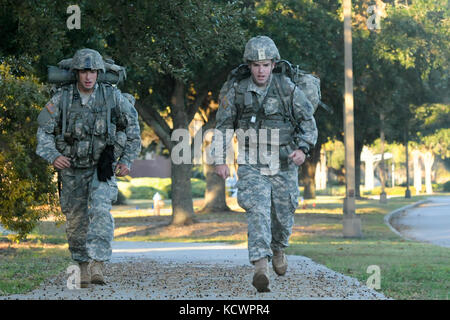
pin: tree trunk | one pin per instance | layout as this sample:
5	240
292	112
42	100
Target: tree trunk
382	163
367	157
321	172
417	171
308	171
358	149
215	193
428	160
182	204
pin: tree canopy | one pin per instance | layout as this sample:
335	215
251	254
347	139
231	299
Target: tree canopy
178	53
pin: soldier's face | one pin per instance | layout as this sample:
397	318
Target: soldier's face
86	80
261	71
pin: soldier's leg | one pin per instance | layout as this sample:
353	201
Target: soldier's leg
74	205
284	202
254	194
101	226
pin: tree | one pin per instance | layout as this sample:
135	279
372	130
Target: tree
27	192
215	191
28	189
174	53
402	65
181	49
310	34
433	136
415	38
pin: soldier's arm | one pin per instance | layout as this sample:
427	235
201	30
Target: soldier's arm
48	122
132	130
225	119
306	134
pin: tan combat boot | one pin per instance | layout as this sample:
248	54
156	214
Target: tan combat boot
85	277
261	276
279	262
97	268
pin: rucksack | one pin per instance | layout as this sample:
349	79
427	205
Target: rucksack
308	83
62	75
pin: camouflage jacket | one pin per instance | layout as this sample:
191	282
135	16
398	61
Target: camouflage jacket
232	116
86	129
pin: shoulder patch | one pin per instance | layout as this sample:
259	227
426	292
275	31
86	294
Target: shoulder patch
224	102
50	107
44	117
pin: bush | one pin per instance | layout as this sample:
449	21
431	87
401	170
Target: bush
446	187
121	199
197	172
145	188
145	192
198	188
27	188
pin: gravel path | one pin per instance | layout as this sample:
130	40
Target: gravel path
172	271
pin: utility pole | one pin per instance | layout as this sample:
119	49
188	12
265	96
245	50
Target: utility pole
351	222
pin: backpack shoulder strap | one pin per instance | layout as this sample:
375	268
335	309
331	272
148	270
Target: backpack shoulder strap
65	102
111	103
238	100
286	96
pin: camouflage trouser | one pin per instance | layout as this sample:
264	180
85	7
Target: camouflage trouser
270	203
86	203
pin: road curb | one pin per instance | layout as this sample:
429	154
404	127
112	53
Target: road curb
394	214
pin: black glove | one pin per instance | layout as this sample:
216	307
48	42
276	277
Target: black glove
104	167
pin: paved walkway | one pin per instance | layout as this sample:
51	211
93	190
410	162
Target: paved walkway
427	222
146	270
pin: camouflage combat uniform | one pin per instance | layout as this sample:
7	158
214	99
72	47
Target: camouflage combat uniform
268	196
86	201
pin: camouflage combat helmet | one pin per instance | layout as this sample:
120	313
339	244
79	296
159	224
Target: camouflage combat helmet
260	48
87	59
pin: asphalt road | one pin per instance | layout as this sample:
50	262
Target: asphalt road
428	222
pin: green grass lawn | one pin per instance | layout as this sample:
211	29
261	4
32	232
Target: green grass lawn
145	188
24	266
409	269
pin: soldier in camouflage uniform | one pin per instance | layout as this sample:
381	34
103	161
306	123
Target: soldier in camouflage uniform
75	127
268	191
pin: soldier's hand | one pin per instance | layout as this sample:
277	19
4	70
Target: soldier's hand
222	170
121	170
298	156
61	163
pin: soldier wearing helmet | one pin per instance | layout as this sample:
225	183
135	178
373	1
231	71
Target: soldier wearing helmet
90	133
268	187
87	59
